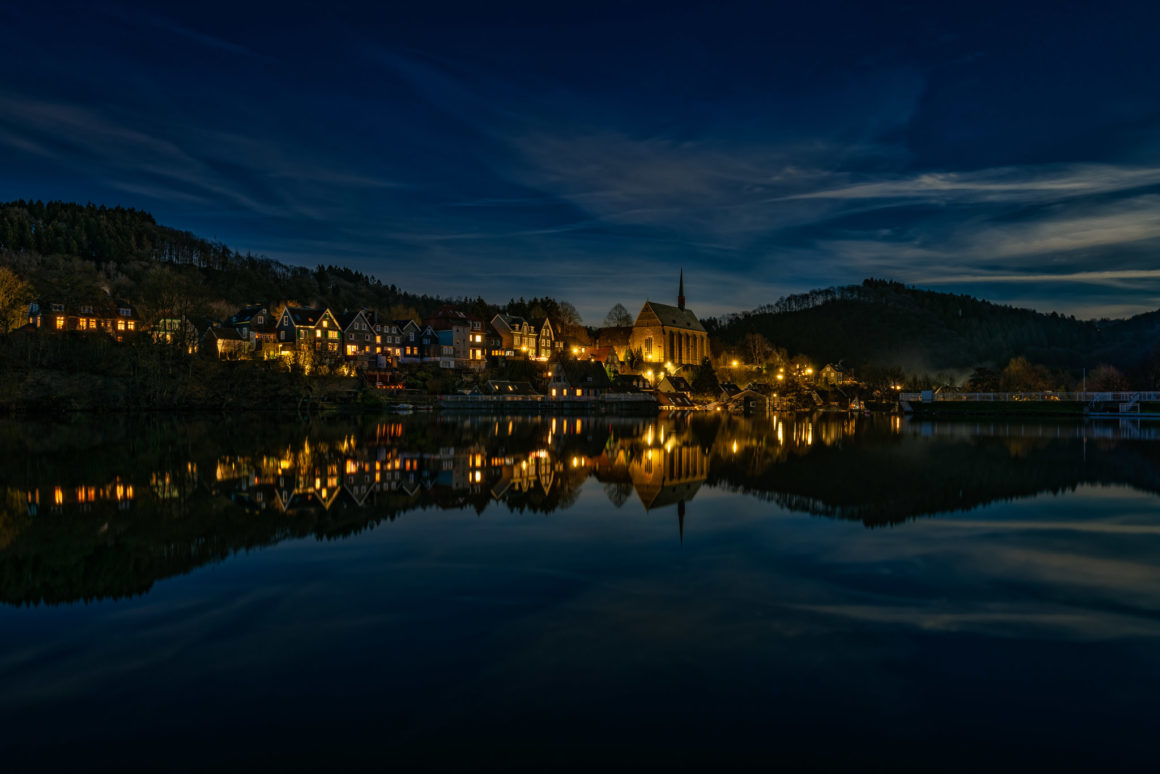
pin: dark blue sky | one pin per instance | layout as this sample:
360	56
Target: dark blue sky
588	151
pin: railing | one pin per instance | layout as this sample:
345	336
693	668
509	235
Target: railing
490	398
1048	395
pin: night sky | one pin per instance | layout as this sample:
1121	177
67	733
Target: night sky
588	151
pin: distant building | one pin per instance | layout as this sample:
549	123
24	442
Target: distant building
577	380
102	315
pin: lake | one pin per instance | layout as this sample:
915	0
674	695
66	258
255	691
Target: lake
573	592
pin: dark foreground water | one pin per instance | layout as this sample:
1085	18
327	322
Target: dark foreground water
552	594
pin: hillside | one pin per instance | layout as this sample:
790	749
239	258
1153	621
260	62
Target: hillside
70	250
884	323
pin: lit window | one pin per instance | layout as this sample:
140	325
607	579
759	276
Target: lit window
132	325
317	334
579	392
59	323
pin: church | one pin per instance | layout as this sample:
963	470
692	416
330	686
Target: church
670	334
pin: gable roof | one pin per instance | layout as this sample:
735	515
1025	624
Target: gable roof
346	318
305	315
230	334
583	373
678	383
673	317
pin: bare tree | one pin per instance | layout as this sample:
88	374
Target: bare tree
617	317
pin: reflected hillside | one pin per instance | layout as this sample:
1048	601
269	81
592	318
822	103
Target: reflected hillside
92	511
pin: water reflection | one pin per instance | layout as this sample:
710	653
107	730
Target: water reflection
91	511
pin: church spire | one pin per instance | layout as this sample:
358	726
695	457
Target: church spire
681	292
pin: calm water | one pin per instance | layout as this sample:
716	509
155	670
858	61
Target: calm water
556	593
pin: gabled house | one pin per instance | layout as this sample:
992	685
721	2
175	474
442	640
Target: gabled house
460	338
517	336
257	325
674	385
103	315
547	342
577	380
359	345
309	328
410	341
728	390
834	374
225	343
181	332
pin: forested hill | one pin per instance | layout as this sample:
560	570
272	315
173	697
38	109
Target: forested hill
71	250
885	323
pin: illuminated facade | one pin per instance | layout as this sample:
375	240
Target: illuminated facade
670	334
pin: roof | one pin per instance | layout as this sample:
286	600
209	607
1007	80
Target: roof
584	373
674	317
675	399
346	318
446	318
226	334
729	388
618	336
304	315
511	320
601	354
496	387
678	383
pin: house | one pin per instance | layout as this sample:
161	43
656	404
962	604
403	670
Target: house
256	324
517	336
578	380
630	383
670	334
225	343
104	315
834	374
359	341
308	328
728	390
460	338
548	343
673	385
179	331
390	338
410	338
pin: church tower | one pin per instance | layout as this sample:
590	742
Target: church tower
681	292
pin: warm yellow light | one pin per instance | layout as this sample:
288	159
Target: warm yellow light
809	371
780	377
734	363
735	447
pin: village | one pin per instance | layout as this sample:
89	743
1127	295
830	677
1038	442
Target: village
663	360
